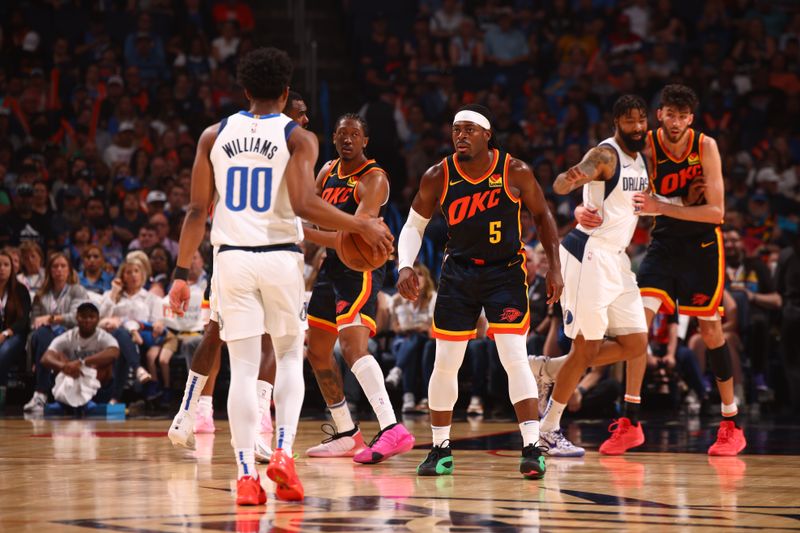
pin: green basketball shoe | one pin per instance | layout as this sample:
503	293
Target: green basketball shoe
438	463
531	465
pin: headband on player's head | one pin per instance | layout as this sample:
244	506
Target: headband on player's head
465	115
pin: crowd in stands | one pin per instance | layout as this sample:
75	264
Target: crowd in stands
101	104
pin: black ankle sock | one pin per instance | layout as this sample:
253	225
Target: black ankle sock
631	411
734	419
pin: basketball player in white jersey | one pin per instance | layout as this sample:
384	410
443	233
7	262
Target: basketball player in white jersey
257	168
600	292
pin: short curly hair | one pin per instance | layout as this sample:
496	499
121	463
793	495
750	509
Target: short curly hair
679	96
265	73
358	118
627	103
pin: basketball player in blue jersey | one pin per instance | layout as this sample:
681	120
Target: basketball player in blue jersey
206	361
344	304
257	167
601	296
481	191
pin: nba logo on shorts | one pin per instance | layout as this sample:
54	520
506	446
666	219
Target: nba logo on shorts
568	317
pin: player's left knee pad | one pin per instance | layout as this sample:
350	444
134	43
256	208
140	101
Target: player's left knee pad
443	386
720	361
290	346
514	358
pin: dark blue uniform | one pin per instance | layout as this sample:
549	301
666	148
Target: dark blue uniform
685	262
484	264
342	296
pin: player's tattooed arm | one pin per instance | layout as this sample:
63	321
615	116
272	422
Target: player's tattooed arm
330	384
598	164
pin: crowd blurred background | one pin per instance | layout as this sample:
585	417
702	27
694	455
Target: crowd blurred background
102	102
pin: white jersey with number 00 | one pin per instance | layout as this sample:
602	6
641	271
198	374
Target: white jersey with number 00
249	158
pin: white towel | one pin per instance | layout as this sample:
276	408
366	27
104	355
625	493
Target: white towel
76	392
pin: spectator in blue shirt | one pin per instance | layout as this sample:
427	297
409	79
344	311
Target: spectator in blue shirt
94	277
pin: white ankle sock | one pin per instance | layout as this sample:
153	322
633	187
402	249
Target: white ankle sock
264	389
440	434
285	438
191	393
530	432
341	417
552	419
206	403
246	462
370	377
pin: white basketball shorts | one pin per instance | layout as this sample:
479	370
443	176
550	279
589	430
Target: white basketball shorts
258	292
600	294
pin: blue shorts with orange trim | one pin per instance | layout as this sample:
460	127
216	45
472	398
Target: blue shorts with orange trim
342	296
687	271
465	288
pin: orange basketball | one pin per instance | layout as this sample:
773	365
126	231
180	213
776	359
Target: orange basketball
355	253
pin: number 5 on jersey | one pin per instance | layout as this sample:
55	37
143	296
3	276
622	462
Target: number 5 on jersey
494	231
243	180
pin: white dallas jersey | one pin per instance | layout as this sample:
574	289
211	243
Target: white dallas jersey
613	198
249	158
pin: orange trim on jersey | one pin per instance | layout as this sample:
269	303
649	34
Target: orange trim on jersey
446	181
662	295
515	199
334	162
447	335
363	296
356	171
510	329
669	154
486	175
716	299
700	147
654	157
319	323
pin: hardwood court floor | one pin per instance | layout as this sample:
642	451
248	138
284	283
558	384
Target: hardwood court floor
82	475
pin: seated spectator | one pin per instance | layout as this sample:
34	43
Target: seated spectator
183	332
94	277
412	322
161	265
31	273
751	285
146	239
79	239
52	313
85	352
160	224
135	318
15	309
111	247
667	354
130	219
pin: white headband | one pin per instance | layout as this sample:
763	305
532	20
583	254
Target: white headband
472	116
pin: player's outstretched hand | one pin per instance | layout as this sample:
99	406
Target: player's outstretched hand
179	297
587	217
555	284
408	284
377	235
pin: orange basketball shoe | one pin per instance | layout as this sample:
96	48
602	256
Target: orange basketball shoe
730	440
281	471
249	491
624	436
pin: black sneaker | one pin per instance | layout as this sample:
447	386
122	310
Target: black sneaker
438	463
531	465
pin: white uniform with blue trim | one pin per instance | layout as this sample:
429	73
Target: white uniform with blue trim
600	294
255	289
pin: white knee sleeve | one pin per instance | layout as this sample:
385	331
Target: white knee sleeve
289	389
245	355
443	386
514	358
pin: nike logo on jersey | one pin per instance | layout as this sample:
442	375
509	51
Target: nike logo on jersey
661	162
706	244
455	182
626	166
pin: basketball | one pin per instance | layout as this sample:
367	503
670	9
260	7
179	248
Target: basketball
355	253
